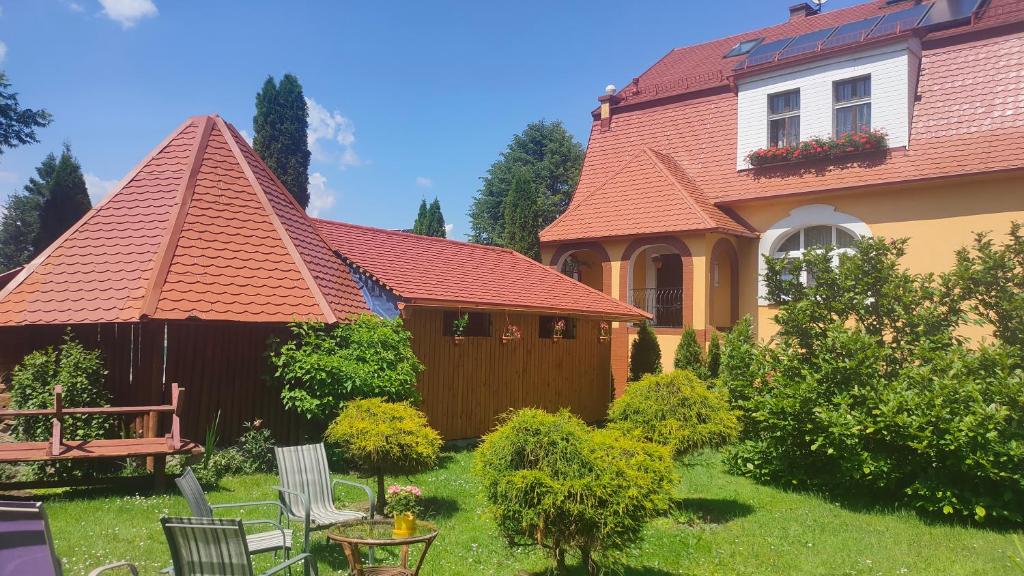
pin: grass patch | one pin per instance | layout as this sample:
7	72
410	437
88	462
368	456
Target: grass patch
721	525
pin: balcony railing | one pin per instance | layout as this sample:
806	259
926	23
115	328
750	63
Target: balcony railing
666	304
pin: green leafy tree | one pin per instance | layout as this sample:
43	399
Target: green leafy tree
280	126
714	359
644	354
551	159
689	355
66	201
991	277
522	217
18	125
321	367
435	220
430	220
378	438
419	226
676	410
551	481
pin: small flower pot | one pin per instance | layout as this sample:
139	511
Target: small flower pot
556	337
405	525
458	339
603	338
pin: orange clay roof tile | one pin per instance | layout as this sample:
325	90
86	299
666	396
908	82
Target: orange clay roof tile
199	230
434	271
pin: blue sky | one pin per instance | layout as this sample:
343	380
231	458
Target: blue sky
412	99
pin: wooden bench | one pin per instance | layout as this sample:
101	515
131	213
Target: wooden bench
58	448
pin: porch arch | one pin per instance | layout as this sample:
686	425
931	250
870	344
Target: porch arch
566	250
686	257
724	254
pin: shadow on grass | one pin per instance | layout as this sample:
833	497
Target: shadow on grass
331	553
709	510
437	507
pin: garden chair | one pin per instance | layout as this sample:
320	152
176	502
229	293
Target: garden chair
26	546
307	491
280	538
217	547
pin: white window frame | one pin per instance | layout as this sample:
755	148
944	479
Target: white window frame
794	254
781	115
798	219
836	106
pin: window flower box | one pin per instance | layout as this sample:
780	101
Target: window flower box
821	148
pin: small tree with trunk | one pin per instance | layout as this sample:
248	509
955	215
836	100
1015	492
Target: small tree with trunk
378	438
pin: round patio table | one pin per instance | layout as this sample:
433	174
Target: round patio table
377	533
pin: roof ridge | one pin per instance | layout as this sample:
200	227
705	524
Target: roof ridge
412	235
307	275
169	243
29	268
655	156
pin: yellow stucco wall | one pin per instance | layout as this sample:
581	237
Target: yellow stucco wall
937	217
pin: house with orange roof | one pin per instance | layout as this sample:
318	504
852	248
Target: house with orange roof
199	257
893	118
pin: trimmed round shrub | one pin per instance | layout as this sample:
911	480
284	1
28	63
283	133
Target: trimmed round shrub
377	438
552	481
676	410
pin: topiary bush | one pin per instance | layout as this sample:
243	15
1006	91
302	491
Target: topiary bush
321	367
870	392
81	374
378	438
689	354
714	360
676	410
553	482
644	354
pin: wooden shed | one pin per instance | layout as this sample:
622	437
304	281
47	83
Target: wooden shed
199	256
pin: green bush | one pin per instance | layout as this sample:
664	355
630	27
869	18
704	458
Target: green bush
689	354
551	481
676	410
714	361
644	354
991	277
869	392
256	447
321	367
378	438
81	374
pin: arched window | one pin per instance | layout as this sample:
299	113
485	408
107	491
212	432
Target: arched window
815	237
805	228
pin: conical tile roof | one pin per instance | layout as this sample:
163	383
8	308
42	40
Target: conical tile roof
200	229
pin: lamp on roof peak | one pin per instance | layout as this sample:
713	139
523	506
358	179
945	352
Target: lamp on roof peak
606	100
609	89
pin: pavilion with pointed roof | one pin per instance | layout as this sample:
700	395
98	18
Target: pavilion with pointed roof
200	257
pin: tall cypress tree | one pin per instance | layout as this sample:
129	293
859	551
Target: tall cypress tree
522	217
20	222
280	126
435	220
67	200
419	226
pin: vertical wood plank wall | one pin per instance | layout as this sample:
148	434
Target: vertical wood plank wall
466	386
223	367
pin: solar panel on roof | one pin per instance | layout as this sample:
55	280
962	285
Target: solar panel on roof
896	22
805	43
946	11
851	32
764	53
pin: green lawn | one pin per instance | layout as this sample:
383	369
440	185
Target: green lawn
743	528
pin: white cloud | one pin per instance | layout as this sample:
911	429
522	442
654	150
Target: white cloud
331	136
98	187
127	13
424	182
3	51
448	230
76	7
321	196
245	134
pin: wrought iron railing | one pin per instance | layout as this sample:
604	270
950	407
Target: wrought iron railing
666	304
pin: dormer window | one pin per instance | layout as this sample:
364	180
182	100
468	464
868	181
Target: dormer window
784	119
852	101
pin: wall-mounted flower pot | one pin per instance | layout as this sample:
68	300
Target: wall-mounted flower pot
458	339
